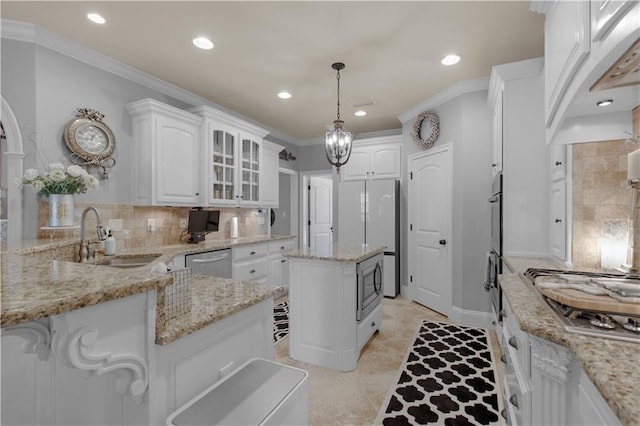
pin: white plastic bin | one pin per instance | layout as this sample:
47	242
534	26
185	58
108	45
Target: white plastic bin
259	392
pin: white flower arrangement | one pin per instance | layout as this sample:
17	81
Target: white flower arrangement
60	180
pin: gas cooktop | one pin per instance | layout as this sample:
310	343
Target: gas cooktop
609	311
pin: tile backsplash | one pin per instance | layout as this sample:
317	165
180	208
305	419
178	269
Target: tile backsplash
167	223
601	197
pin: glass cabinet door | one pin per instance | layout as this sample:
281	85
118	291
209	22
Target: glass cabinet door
223	166
250	170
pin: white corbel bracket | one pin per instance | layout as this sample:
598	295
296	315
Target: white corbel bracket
79	355
37	336
552	361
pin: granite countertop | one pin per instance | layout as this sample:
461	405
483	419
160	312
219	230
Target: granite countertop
213	299
336	253
600	358
37	282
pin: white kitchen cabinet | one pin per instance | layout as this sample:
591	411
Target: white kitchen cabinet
250	262
187	366
516	96
559	161
278	264
498	132
591	408
374	158
558	220
89	366
566	46
270	174
233	158
166	154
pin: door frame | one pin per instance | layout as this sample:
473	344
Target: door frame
304	205
412	265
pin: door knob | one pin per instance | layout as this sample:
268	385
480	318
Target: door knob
443	242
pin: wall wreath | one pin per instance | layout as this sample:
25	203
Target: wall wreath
420	137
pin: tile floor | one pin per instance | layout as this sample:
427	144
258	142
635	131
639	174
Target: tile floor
354	398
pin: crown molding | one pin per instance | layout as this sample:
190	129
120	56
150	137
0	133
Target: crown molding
31	33
512	71
459	88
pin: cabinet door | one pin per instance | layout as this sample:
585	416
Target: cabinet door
269	183
498	132
176	172
385	161
249	172
566	46
357	168
558	225
222	166
558	162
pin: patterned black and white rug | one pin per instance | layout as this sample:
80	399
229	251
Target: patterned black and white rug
280	321
448	378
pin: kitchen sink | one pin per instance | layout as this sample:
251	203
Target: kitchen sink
130	261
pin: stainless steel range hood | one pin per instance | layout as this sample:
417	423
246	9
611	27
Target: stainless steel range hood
624	72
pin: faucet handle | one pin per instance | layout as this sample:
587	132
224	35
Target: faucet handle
102	233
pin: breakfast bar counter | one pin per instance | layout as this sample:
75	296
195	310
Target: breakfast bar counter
613	366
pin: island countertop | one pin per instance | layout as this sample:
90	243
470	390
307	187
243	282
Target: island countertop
611	365
347	253
40	279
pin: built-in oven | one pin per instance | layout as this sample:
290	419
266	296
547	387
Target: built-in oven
494	256
370	275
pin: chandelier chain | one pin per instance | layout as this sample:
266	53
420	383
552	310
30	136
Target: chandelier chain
338	78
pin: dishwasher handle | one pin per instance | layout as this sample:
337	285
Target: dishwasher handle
211	260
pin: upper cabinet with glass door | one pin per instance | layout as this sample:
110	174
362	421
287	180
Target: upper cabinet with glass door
232	158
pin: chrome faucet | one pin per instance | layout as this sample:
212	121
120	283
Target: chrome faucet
84	244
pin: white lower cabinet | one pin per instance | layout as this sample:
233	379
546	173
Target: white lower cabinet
188	366
544	384
250	262
278	264
89	366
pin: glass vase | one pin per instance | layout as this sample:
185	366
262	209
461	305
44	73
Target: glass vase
61	210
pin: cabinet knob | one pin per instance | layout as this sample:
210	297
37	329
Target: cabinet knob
197	193
558	163
558	220
253	271
513	342
443	242
252	253
373	324
503	358
283	260
494	165
503	413
513	399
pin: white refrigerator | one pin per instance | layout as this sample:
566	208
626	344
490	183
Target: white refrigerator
369	213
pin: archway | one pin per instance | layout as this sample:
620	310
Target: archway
14	156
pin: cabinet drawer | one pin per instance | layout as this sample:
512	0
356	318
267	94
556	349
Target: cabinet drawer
249	251
251	270
278	247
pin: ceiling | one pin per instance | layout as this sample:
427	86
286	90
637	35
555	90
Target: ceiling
392	51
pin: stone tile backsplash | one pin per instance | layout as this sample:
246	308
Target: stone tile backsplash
600	194
167	229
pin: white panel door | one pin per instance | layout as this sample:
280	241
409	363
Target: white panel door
430	222
320	212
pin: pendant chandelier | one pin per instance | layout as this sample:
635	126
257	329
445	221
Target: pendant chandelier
338	142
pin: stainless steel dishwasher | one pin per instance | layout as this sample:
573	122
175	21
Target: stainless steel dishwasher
216	263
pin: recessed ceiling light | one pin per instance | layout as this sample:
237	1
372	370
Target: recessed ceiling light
203	43
360	113
284	95
94	17
450	60
605	102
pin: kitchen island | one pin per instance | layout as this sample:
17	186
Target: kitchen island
325	304
91	344
612	366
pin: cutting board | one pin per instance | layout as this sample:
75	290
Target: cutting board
585	301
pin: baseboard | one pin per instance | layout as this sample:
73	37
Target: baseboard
471	318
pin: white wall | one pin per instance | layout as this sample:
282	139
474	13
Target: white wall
465	121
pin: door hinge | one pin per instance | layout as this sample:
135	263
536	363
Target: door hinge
411	227
309	223
411	175
309	187
410	278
